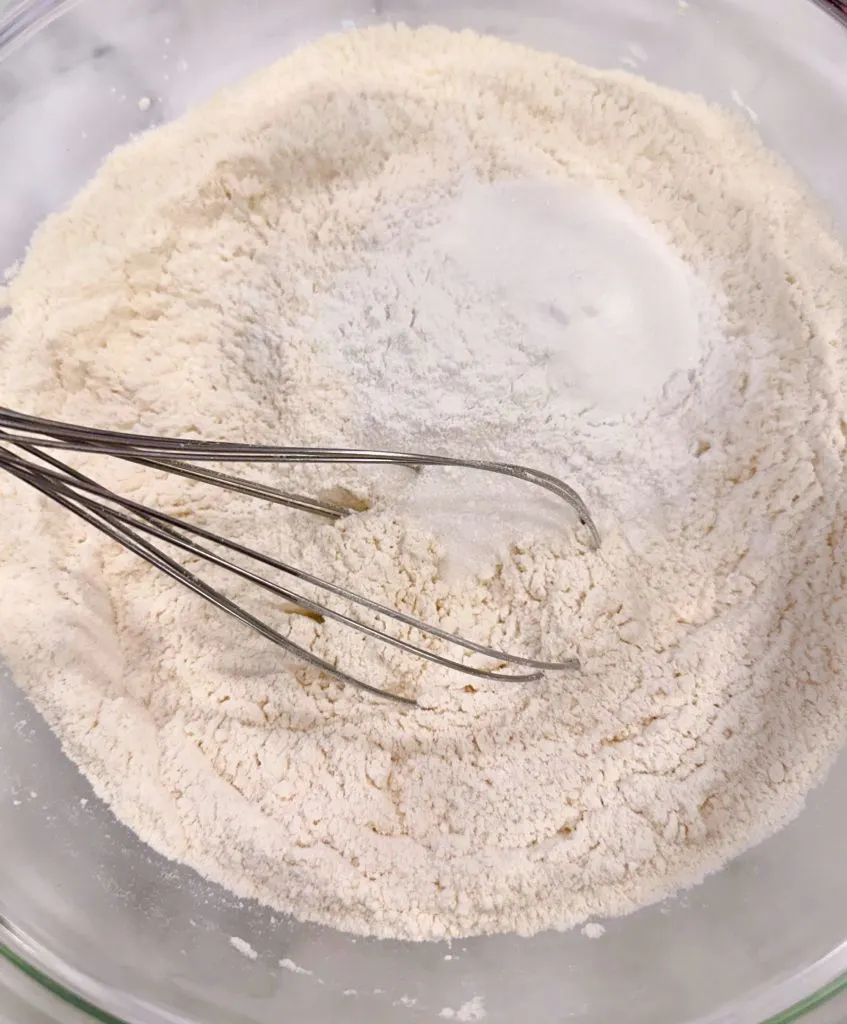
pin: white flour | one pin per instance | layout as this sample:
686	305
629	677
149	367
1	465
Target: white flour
529	317
289	965
448	242
471	1010
243	947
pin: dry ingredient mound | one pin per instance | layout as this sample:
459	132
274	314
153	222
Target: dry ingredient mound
336	251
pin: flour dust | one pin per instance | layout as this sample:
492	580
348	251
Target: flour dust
427	240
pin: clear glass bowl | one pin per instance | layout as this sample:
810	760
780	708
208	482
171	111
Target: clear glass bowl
92	923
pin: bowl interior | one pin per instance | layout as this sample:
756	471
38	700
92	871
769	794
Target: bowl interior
81	898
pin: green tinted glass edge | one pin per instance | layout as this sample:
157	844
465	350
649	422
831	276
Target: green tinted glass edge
57	989
792	1014
810	1003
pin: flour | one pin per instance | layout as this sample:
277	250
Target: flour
243	947
471	1010
289	965
312	258
559	300
559	297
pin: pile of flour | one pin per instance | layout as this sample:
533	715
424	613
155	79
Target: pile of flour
449	243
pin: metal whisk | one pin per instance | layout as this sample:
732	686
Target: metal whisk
25	445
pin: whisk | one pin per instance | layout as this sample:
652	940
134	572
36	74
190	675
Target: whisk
27	441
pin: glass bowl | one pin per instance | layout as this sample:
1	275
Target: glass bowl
93	924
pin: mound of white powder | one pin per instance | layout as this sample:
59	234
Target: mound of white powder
449	243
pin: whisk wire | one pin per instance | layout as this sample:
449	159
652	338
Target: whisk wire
123	520
167	532
52	434
110	525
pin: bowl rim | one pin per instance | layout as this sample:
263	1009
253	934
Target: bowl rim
823	980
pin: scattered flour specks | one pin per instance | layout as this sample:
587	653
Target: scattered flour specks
289	965
243	947
470	1011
